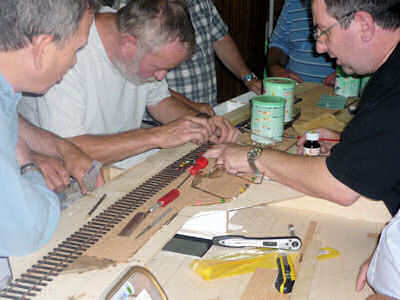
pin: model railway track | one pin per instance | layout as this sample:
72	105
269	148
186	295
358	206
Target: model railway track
42	273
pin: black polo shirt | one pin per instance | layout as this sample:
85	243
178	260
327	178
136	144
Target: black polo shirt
367	159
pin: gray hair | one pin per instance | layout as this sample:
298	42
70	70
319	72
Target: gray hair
386	13
157	22
22	20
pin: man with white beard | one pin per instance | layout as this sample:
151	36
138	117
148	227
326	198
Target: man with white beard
99	105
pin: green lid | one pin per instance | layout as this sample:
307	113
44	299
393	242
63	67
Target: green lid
280	81
269	100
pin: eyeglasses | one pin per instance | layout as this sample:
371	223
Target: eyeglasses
342	19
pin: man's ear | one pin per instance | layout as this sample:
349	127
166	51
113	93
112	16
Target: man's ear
366	25
128	44
41	45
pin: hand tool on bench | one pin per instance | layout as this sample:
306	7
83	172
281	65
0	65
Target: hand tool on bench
199	164
286	273
239	241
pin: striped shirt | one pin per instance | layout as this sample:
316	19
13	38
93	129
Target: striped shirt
292	34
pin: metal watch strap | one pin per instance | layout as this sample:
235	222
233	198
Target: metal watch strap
29	167
252	156
249	77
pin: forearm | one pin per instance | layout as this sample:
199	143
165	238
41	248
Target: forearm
229	54
379	297
305	174
277	59
179	97
42	141
115	147
171	109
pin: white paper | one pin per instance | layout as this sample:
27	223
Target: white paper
209	224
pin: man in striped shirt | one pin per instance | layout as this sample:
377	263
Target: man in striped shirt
292	51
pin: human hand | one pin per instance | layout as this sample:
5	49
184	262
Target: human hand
233	157
326	146
279	71
23	153
78	163
330	79
186	129
254	85
225	132
362	275
53	170
204	108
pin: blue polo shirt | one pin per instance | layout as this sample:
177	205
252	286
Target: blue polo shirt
29	211
293	35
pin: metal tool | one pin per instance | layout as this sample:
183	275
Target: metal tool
199	164
97	204
292	230
152	224
90	178
240	241
30	283
140	216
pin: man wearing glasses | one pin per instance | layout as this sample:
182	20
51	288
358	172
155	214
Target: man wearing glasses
363	36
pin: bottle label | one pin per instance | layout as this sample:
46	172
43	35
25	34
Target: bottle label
311	151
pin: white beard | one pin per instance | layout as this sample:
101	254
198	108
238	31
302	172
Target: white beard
132	75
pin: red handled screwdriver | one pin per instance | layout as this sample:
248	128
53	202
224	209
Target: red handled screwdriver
199	164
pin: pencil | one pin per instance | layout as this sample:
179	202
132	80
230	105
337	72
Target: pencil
97	204
320	139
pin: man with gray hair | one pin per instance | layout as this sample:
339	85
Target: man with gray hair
38	43
100	104
363	36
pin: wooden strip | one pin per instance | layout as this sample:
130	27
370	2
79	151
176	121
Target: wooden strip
307	239
304	278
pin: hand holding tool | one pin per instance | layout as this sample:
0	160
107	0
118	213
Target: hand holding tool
199	164
239	241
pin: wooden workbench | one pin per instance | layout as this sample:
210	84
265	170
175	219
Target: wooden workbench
351	230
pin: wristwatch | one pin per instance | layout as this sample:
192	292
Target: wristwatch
252	156
29	167
249	77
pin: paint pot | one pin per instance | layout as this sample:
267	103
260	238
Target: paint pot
346	85
267	119
282	87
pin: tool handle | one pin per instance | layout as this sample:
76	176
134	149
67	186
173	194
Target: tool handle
286	276
169	197
200	163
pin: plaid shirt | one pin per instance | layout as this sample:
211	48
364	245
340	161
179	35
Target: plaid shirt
196	77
